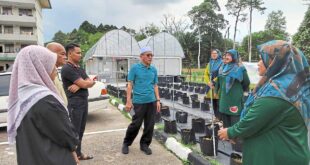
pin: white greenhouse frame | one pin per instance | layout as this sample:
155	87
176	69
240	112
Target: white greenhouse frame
113	55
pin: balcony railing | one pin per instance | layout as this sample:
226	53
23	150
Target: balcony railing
7	56
16	19
18	37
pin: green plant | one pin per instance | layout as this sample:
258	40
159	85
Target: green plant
185	162
160	126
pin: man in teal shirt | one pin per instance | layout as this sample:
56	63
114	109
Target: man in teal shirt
142	82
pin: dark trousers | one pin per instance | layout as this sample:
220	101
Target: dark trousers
229	120
143	112
216	109
78	108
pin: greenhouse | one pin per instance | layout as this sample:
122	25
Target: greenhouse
112	56
168	53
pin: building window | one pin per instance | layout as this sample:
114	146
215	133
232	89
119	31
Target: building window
25	12
9	48
1	49
26	30
23	45
7	11
8	29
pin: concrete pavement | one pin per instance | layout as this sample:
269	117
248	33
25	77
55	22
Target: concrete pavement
104	134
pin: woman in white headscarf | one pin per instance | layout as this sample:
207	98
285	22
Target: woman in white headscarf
37	119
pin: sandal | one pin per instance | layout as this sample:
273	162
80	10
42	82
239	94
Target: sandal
85	157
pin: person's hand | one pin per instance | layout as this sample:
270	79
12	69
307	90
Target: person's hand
75	157
73	88
128	106
210	84
222	133
158	106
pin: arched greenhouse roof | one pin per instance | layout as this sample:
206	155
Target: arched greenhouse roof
115	43
163	45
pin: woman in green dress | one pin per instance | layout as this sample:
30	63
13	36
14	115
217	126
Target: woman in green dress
232	82
275	121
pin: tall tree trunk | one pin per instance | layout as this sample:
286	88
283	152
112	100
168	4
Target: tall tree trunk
236	24
250	35
198	61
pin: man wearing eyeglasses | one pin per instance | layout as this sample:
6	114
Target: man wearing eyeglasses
142	83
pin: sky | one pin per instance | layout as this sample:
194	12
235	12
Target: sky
66	15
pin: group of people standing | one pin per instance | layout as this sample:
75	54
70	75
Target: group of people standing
274	119
228	81
47	119
47	114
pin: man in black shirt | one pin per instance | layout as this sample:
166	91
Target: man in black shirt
71	73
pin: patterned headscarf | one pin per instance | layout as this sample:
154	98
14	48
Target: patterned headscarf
215	64
30	82
287	77
233	71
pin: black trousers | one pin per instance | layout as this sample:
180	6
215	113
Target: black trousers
78	108
216	109
143	112
229	120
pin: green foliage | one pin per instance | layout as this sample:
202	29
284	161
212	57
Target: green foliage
105	28
61	37
160	126
256	4
209	22
88	27
257	39
276	23
186	162
302	38
147	31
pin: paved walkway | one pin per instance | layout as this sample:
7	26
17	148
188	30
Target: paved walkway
105	130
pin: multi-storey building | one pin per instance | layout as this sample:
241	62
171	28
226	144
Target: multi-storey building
20	25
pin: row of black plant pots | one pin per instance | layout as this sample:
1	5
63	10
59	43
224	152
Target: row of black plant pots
198	89
171	79
175	95
199	126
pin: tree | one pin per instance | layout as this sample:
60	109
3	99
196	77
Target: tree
128	30
105	28
186	40
174	26
147	31
302	38
276	21
207	22
236	8
257	39
88	27
253	4
60	37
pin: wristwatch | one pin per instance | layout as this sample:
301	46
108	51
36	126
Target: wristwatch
158	100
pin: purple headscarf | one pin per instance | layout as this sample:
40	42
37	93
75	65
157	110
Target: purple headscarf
30	82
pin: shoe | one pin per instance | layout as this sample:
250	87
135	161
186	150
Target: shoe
125	149
146	150
85	157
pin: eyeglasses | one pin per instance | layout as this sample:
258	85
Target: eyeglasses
149	55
